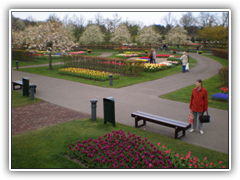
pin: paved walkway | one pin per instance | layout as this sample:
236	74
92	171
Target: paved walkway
143	97
41	115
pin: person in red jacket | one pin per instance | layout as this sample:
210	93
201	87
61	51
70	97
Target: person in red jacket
198	104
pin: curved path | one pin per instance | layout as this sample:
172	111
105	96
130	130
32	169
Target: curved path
142	97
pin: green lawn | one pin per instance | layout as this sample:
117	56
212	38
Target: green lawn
46	147
123	81
19	100
212	85
45	60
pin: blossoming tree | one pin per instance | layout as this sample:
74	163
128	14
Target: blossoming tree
51	35
177	35
148	36
92	35
121	35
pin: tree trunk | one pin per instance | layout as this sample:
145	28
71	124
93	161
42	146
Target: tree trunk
50	61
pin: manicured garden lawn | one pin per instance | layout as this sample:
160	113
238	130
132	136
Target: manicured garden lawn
47	147
123	81
19	100
45	60
212	85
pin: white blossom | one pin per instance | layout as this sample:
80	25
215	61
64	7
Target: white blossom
147	35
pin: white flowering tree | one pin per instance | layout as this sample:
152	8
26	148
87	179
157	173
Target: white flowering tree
92	35
148	36
17	39
51	35
121	35
177	35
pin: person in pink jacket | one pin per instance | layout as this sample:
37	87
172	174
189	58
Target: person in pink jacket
198	104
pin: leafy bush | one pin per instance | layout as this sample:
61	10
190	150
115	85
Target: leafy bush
21	55
222	53
122	66
223	74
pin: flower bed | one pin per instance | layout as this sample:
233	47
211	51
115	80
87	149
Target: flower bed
127	55
154	67
35	54
224	90
220	96
114	63
87	74
79	52
223	96
160	66
158	56
118	150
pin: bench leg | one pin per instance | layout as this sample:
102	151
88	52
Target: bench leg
14	88
136	122
177	131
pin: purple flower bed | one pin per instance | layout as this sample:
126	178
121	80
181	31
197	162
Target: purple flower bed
116	150
220	96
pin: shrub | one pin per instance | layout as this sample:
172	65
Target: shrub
222	53
124	67
89	50
223	74
199	52
21	55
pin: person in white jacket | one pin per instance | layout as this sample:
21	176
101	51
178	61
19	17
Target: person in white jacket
184	60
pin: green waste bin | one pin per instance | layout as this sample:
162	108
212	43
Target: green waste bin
109	110
25	88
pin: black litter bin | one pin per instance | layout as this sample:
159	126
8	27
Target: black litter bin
109	110
25	89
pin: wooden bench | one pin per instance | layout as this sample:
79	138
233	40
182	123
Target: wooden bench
177	125
20	84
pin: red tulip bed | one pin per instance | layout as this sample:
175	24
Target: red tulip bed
157	55
35	54
120	150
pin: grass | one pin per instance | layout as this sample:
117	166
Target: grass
19	100
122	82
45	60
212	85
45	148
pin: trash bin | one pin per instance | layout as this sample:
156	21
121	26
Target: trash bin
25	89
109	110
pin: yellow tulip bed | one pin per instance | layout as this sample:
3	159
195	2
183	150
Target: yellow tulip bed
88	74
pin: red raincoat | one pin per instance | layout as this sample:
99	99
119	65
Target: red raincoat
199	100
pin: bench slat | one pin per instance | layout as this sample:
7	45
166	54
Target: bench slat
160	119
177	125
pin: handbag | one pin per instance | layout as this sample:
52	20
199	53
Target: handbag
204	118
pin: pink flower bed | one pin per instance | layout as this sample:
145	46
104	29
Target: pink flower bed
158	55
113	62
79	52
